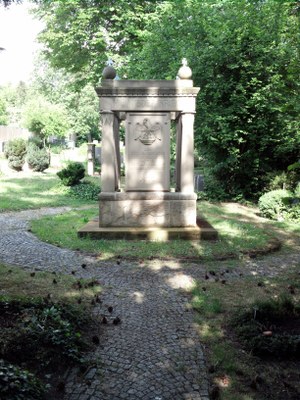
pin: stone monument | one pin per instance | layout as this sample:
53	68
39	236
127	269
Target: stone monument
147	207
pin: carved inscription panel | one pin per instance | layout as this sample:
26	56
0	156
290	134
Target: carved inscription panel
147	163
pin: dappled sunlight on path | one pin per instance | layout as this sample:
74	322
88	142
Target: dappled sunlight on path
149	348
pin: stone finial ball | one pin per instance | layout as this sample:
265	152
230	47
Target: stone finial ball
109	72
185	71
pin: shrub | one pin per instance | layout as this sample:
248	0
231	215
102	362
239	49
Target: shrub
275	204
18	384
38	158
15	152
72	174
277	180
293	213
83	190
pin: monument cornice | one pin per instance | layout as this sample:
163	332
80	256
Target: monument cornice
147	92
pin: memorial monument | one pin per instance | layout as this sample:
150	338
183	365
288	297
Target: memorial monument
147	207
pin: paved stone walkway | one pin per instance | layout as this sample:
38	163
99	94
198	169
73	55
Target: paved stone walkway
154	353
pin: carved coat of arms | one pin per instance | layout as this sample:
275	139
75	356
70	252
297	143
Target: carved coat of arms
148	133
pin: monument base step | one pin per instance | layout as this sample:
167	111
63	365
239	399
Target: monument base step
202	231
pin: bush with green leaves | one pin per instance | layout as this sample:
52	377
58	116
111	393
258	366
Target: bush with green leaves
280	205
84	190
48	330
15	151
38	158
18	384
275	204
293	213
72	174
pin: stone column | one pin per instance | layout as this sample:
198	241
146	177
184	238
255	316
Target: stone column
117	154
178	154
91	159
185	174
108	158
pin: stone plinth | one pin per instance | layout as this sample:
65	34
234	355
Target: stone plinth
151	209
202	231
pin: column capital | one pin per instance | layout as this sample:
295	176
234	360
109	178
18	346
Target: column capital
107	112
186	112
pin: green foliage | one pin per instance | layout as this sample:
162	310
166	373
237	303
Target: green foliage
79	36
18	384
45	119
213	191
3	113
15	97
266	316
50	327
72	174
293	213
15	151
42	331
274	204
84	114
245	57
81	103
280	205
38	158
294	174
84	190
277	180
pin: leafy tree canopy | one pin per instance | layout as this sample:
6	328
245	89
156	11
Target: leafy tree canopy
46	119
81	34
245	57
81	103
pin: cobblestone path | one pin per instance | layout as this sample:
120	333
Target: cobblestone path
20	247
154	353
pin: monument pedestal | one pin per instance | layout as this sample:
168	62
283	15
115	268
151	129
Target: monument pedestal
147	209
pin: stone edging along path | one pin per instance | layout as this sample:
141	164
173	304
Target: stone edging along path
155	353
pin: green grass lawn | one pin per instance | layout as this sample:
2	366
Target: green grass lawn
35	191
235	236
